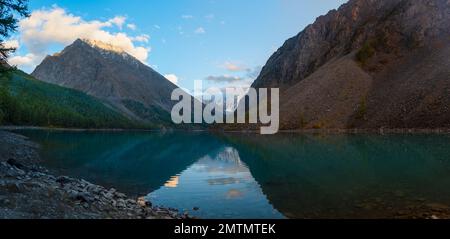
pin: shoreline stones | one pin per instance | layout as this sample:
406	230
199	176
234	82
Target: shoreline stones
28	191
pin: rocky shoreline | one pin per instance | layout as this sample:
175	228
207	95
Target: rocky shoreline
256	131
29	191
380	131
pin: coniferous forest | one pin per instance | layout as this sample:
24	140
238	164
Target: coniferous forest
27	101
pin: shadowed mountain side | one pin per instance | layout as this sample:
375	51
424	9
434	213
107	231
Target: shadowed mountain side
330	95
369	64
413	92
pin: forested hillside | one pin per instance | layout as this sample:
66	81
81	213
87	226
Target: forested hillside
27	101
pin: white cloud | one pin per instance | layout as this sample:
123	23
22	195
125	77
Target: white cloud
248	76
200	30
11	44
142	38
118	21
187	17
172	78
224	79
235	67
47	27
157	26
28	60
132	26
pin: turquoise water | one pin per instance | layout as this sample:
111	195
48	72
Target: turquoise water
253	176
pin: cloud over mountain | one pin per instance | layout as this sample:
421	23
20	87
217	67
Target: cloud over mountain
47	27
172	78
224	79
234	67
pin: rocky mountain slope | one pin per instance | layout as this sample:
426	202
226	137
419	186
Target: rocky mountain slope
369	64
110	74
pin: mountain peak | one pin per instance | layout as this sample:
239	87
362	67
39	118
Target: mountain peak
368	64
396	23
109	73
100	49
101	45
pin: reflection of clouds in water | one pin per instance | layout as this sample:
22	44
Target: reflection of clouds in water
234	193
200	167
227	169
220	184
223	181
226	161
173	182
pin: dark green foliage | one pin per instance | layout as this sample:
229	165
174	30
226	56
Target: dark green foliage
8	105
365	53
152	114
27	101
9	10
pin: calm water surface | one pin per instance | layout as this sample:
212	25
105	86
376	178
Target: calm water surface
253	176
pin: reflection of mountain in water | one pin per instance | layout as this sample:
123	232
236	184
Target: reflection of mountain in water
347	176
231	155
221	185
303	176
135	163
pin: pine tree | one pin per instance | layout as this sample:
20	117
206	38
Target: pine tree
9	11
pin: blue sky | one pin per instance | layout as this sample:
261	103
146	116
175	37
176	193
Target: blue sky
189	39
